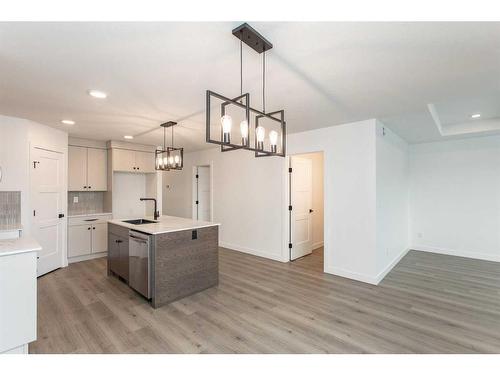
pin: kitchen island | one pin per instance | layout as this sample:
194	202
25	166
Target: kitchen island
164	259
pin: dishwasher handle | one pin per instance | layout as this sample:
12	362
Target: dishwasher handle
138	239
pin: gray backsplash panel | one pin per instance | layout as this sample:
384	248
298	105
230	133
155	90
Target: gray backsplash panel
89	202
10	207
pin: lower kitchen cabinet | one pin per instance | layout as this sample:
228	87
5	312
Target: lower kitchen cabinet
87	237
118	251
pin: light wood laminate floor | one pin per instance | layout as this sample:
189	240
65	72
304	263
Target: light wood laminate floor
428	303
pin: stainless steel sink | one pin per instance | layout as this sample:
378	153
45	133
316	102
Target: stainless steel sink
139	221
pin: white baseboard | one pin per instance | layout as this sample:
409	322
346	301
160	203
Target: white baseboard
374	280
87	257
390	266
351	275
458	253
258	253
317	245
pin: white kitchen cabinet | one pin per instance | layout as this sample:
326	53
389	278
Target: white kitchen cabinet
99	238
77	168
18	296
87	237
87	169
133	161
97	169
79	240
145	162
123	160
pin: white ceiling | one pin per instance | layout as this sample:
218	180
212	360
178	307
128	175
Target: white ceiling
322	74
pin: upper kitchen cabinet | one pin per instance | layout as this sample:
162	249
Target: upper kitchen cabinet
87	169
132	161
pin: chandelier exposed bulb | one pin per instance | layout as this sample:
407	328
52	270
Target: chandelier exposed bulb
273	140
227	123
244	132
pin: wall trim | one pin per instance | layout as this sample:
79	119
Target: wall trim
374	280
337	271
258	253
458	253
391	265
317	245
87	257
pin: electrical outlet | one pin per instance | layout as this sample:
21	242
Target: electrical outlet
420	235
75	199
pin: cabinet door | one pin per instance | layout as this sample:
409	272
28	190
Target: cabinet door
77	168
123	245
79	240
99	238
113	253
97	169
145	162
123	160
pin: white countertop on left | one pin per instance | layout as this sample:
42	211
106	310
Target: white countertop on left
10	227
165	224
18	245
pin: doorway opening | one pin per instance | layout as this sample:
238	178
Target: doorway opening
202	195
306	207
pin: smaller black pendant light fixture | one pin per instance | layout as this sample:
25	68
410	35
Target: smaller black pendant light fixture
170	157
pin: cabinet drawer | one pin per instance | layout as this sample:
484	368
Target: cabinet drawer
90	219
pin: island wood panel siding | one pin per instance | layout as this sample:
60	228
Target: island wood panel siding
182	265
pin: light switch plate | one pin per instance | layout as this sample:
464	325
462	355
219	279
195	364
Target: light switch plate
75	199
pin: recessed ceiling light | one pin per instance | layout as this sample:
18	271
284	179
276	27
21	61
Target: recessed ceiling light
475	115
128	136
97	94
68	122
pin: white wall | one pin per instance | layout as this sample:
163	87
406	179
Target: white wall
317	198
128	188
247	196
349	195
250	195
392	171
455	197
16	135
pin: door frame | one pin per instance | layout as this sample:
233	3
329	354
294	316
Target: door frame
194	191
287	217
64	193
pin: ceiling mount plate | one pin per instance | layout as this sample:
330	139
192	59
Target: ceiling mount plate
252	38
168	124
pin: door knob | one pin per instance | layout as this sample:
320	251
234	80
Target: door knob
61	216
311	210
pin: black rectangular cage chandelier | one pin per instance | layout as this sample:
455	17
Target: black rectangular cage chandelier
169	157
275	143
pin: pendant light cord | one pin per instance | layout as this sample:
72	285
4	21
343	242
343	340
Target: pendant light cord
264	82
241	66
164	138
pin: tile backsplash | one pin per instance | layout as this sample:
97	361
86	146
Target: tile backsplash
89	202
10	207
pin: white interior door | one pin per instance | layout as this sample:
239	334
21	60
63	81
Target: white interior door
301	201
47	193
203	193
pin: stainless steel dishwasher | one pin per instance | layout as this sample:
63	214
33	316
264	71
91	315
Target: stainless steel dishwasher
140	262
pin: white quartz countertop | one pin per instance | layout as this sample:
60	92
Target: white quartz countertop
165	224
10	227
96	214
18	245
